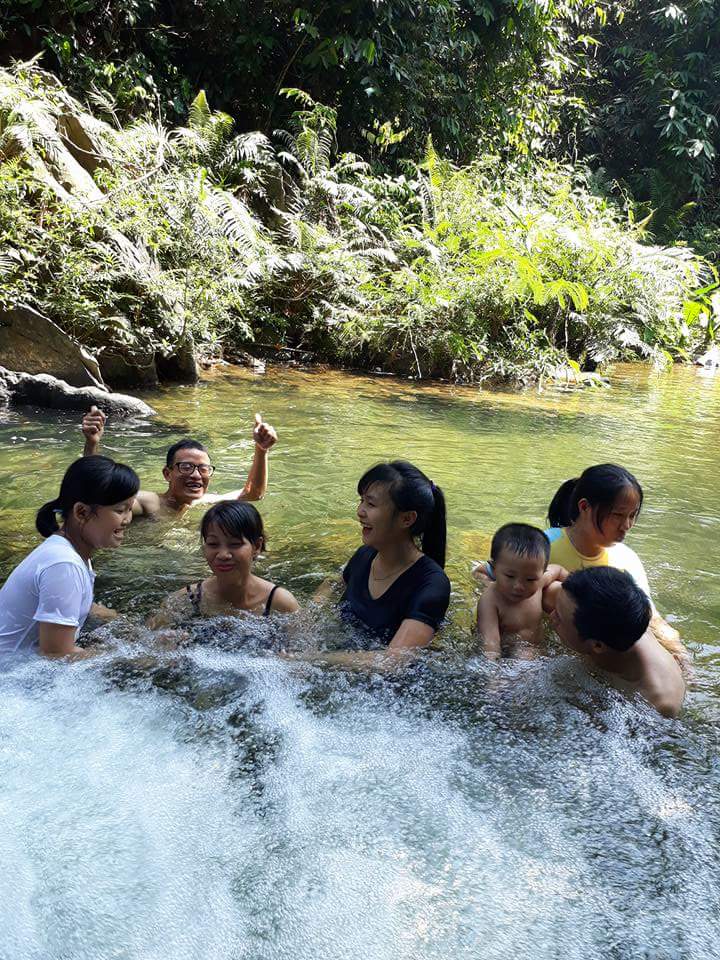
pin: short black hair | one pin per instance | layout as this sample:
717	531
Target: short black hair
186	444
237	519
522	539
611	607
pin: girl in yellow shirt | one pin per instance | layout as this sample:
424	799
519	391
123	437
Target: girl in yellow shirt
590	516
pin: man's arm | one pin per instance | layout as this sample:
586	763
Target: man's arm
550	596
554	573
256	484
93	427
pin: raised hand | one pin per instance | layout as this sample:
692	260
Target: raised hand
263	434
93	427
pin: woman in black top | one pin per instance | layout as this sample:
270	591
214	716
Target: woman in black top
232	537
393	586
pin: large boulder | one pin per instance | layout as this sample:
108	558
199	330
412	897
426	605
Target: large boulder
42	390
31	342
181	366
121	370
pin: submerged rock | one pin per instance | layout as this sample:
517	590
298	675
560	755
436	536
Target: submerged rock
43	390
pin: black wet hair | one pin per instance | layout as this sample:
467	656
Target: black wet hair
236	519
600	486
611	607
187	444
410	489
521	539
95	481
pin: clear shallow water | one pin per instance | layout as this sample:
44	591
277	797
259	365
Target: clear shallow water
228	804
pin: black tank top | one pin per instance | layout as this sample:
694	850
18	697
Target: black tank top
194	592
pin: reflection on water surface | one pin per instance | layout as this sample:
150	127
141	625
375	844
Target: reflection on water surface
220	803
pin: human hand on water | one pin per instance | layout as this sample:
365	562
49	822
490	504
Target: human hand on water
481	574
93	424
263	434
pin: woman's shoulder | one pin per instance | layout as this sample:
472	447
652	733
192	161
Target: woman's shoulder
428	570
554	533
621	555
361	559
283	601
57	557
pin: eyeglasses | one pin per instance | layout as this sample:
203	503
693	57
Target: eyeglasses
187	469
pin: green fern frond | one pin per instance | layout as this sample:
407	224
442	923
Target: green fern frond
199	114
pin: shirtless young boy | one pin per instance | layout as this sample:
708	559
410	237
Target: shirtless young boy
512	605
187	471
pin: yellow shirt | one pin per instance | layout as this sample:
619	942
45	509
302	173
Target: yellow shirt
618	555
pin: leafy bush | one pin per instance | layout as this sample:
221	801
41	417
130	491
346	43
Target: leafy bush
463	272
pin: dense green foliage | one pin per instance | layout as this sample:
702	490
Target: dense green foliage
583	133
637	85
654	101
238	239
458	69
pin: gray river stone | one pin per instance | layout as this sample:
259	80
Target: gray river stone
31	342
43	390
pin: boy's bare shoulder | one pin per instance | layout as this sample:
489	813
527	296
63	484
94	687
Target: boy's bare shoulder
489	598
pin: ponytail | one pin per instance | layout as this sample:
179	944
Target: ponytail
94	481
561	505
46	521
600	486
409	489
434	539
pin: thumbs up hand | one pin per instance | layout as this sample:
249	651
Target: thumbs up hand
263	434
93	424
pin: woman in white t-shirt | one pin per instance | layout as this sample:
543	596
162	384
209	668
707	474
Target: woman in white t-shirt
46	599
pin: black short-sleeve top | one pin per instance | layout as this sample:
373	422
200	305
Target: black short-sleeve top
422	592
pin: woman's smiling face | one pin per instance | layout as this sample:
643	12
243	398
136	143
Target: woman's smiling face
104	527
381	522
227	553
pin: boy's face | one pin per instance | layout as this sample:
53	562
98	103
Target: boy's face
518	578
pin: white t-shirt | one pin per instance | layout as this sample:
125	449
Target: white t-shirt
53	584
625	558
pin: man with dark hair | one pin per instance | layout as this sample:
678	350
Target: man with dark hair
602	614
188	470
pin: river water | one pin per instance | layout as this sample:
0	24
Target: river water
223	803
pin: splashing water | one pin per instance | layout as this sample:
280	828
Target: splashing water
226	805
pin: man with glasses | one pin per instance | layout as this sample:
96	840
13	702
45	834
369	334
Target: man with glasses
188	470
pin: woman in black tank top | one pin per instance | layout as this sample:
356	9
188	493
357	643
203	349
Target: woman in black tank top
232	537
